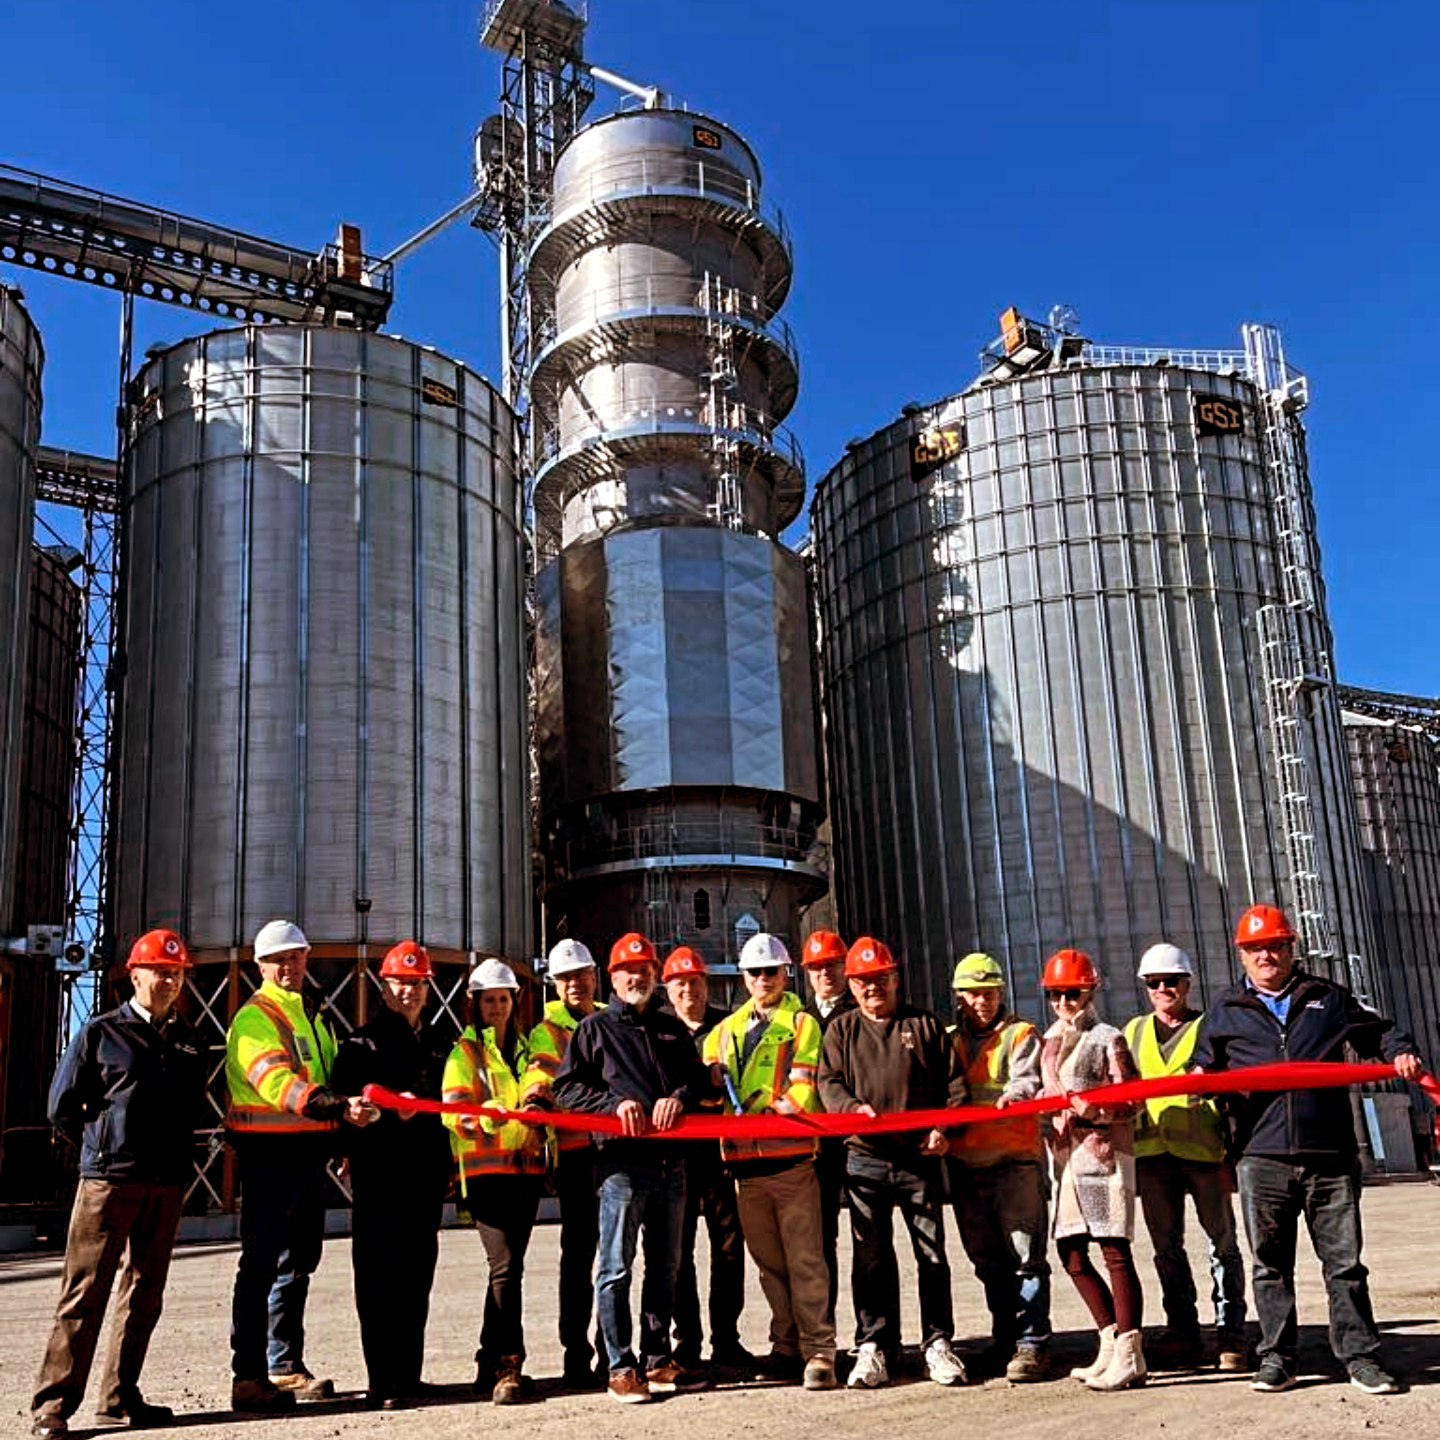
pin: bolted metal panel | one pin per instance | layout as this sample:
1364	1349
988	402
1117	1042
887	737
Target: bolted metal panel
324	702
674	656
22	358
1043	686
1396	771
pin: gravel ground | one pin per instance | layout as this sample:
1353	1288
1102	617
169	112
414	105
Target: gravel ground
188	1364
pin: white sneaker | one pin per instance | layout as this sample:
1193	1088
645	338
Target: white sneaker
944	1365
869	1370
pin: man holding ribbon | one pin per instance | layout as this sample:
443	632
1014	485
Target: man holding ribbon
1297	1150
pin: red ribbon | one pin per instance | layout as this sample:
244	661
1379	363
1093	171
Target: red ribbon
1292	1075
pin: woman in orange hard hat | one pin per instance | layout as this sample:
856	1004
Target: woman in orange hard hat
1094	1152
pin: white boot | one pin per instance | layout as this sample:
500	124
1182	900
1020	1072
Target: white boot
1102	1360
1127	1365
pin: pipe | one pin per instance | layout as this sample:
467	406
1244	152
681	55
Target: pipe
408	247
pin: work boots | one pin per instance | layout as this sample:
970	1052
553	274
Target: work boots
509	1382
259	1397
1127	1365
1102	1360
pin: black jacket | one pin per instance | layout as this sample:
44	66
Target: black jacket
621	1053
131	1094
843	1006
1238	1030
394	1154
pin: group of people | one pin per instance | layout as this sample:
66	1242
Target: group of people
131	1088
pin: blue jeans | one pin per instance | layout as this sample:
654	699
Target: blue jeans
282	1232
1163	1182
1274	1194
1003	1219
651	1197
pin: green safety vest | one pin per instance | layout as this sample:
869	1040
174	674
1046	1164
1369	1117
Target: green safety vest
1186	1126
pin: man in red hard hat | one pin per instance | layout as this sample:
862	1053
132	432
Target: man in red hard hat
1297	1152
823	959
882	1057
636	1061
399	1173
709	1191
129	1092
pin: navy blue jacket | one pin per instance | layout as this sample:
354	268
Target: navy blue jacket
1238	1030
621	1053
131	1094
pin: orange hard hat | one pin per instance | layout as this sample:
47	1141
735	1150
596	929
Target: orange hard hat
1261	924
823	947
632	949
868	956
1070	970
409	960
159	950
682	961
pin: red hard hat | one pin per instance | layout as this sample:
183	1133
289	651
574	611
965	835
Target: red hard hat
682	961
823	947
159	950
1070	970
632	949
868	956
1261	924
409	960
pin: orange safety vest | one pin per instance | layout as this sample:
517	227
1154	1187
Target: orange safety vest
987	1069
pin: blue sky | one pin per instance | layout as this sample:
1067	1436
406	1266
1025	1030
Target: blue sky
1168	168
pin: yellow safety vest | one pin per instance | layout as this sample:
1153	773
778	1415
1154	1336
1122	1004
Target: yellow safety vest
276	1057
1186	1126
779	1074
987	1071
548	1042
476	1073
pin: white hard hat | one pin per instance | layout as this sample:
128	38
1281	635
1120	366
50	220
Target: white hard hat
567	957
762	951
278	935
492	975
1165	959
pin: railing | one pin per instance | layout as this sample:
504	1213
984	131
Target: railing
728	836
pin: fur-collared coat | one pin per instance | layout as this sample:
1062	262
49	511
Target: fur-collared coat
1094	1155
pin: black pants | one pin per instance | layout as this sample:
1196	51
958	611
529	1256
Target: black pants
577	1190
710	1191
876	1188
503	1208
394	1245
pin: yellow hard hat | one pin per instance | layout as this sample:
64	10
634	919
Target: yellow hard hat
978	971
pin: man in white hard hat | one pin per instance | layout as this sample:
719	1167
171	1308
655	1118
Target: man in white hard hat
282	1123
571	968
769	1052
1180	1151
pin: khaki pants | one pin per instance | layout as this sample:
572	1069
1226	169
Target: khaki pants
129	1220
780	1215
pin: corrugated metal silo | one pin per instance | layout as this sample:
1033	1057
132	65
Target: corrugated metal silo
675	714
22	358
1044	690
1396	770
323	713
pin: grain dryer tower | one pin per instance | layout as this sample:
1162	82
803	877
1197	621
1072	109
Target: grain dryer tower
675	723
1076	668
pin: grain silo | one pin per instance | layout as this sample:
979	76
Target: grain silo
1073	635
323	713
21	362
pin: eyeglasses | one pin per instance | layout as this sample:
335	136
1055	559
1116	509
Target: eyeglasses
769	972
1071	995
1165	982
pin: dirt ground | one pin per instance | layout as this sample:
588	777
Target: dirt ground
188	1365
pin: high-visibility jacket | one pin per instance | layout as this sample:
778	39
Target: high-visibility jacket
547	1045
778	1075
1186	1126
276	1057
1003	1061
477	1073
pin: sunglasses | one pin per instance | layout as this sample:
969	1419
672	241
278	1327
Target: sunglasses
1165	982
768	971
1071	995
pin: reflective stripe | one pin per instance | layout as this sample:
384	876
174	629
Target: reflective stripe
263	1118
477	1073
